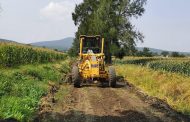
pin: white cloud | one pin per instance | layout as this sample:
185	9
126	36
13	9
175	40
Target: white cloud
58	10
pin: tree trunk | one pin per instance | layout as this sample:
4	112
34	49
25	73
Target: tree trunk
108	59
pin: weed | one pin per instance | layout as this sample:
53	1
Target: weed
21	88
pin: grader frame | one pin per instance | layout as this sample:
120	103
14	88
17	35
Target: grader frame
91	66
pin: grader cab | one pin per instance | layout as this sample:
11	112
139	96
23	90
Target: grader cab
91	66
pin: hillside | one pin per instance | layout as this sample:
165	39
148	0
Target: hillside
63	44
66	43
6	40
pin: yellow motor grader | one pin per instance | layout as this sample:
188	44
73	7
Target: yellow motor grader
91	65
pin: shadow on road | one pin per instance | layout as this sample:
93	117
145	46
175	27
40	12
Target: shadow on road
104	85
79	116
120	83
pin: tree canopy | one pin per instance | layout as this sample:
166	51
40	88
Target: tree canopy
177	54
145	52
165	53
111	19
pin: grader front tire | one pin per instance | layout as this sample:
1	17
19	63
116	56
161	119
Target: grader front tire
112	77
76	77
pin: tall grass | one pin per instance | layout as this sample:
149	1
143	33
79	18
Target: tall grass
172	87
12	54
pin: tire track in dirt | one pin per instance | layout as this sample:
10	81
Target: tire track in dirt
136	104
112	107
75	106
82	105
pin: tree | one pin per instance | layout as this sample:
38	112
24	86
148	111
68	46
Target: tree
120	53
56	50
111	19
132	51
176	54
165	53
146	52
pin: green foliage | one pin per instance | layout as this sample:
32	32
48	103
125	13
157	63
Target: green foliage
146	52
17	54
21	99
73	52
5	85
21	88
176	54
165	53
108	18
138	61
181	66
65	68
35	74
120	53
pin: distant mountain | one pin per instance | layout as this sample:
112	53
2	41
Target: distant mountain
159	51
6	40
66	43
62	44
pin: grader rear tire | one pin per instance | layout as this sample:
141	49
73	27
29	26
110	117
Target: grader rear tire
112	77
76	77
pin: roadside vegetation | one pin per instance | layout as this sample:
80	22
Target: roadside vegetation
167	79
21	87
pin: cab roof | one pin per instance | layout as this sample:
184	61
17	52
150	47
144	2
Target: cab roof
87	36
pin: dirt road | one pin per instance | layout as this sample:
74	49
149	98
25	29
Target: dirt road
103	104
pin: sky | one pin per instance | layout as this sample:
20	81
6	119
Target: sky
165	23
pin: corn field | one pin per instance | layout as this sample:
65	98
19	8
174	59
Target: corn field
12	54
182	67
174	65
